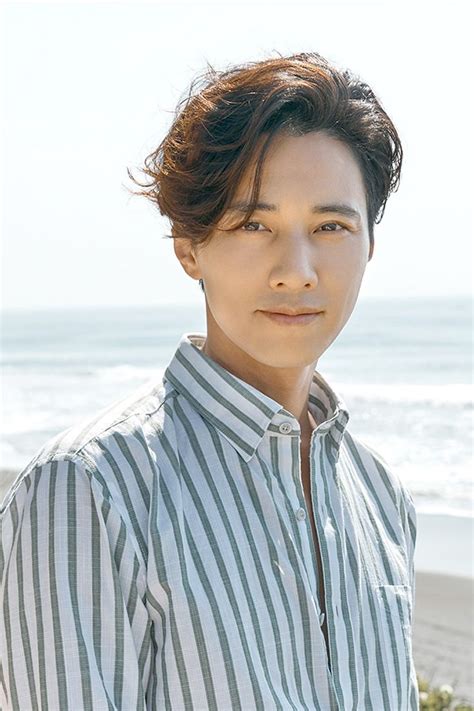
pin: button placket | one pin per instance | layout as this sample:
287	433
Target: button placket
301	513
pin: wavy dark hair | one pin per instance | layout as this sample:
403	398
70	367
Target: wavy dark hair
194	172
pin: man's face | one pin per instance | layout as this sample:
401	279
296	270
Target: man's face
292	257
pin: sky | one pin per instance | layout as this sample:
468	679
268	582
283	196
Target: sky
89	89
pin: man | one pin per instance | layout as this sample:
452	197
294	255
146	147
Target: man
220	540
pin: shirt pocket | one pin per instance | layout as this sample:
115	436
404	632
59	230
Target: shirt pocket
394	621
396	603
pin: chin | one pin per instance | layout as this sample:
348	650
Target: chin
289	357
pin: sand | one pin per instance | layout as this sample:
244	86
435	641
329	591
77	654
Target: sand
443	631
443	628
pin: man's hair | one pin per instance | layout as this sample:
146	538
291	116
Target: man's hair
226	115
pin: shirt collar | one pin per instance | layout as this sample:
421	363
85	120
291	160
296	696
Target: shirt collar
237	409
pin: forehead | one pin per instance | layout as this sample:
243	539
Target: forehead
315	162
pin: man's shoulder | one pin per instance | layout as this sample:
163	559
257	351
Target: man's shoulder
373	468
362	446
101	440
122	415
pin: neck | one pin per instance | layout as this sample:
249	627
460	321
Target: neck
290	387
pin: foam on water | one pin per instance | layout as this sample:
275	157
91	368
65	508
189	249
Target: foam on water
407	382
461	394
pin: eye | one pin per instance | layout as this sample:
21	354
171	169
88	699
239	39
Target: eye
250	223
333	224
327	224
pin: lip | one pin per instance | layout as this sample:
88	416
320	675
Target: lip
300	319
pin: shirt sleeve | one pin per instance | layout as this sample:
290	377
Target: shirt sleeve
409	522
74	627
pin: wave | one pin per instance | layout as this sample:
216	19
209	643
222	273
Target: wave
461	394
124	372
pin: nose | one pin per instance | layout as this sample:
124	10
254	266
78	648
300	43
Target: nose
293	262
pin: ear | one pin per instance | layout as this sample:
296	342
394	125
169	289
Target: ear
185	252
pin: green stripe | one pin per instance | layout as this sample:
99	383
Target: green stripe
350	505
72	557
160	565
43	687
326	444
119	618
57	631
96	584
6	609
368	706
144	656
96	572
402	653
314	400
326	565
340	559
378	654
134	466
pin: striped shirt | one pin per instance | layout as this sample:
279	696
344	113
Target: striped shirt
160	556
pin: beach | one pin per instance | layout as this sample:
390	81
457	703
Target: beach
443	635
443	628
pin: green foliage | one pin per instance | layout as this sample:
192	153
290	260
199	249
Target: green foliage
440	698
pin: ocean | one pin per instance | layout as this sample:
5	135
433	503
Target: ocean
403	367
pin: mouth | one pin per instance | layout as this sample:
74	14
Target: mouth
285	319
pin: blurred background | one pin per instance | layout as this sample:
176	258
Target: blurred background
94	301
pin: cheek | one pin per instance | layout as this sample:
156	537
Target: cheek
346	266
231	270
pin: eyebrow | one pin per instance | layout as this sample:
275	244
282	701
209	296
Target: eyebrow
340	208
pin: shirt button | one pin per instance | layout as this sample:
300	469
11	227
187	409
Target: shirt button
301	514
321	618
285	427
